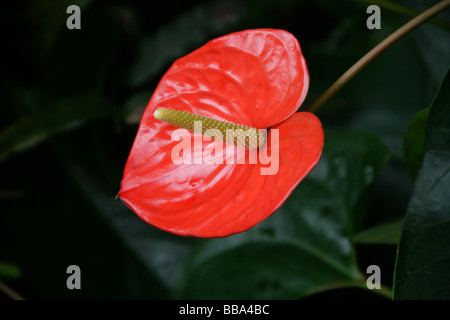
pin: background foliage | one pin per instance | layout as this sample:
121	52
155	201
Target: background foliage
71	103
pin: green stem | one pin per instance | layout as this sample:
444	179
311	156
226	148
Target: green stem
372	54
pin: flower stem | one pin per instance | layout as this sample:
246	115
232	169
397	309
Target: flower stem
10	292
372	54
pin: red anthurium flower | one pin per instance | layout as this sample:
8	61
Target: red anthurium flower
256	78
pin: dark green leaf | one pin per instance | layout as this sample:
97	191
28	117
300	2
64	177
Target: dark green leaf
67	215
155	257
386	233
175	39
385	108
432	43
9	271
85	60
55	19
62	115
384	96
304	247
414	142
423	262
159	255
352	160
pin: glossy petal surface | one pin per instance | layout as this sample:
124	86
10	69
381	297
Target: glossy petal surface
254	77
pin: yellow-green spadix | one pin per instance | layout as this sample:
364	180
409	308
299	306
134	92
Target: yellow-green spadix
229	132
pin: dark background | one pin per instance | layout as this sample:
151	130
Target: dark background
71	101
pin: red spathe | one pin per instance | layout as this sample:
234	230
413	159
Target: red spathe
257	78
